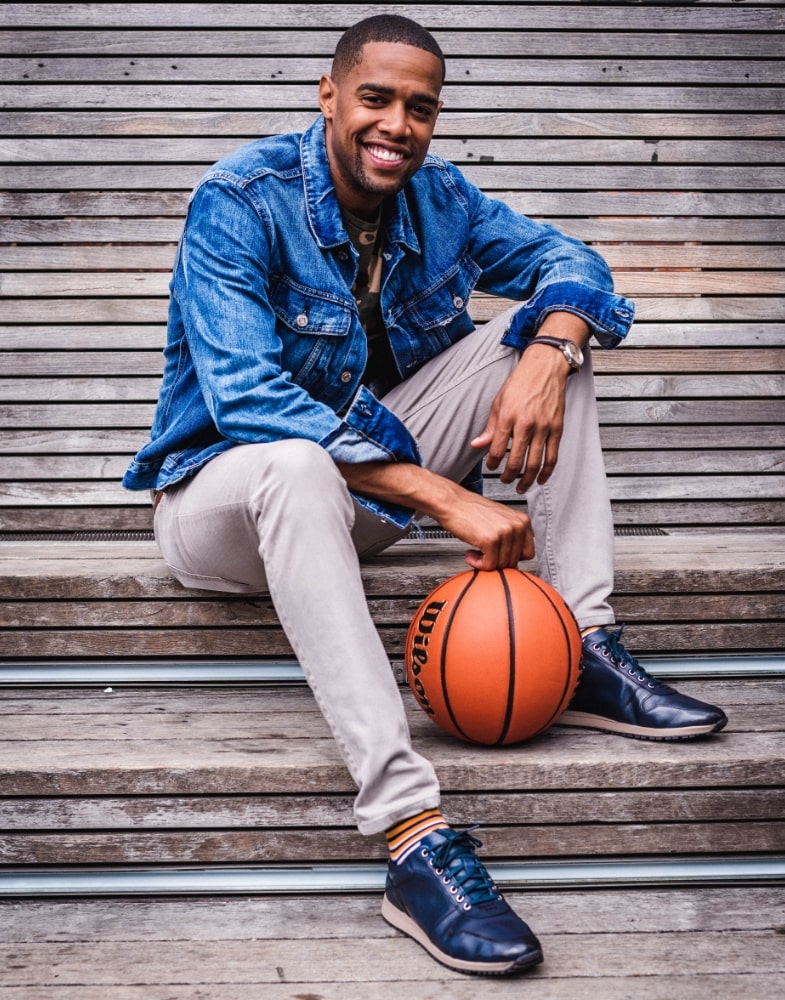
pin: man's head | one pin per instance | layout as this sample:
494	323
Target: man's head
382	28
380	103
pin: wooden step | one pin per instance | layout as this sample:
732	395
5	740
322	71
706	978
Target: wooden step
672	943
250	774
662	944
686	591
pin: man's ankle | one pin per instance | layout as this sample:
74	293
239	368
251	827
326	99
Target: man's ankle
404	835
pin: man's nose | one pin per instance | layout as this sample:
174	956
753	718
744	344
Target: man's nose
394	120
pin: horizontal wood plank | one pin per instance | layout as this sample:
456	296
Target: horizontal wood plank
471	71
561	96
488	177
184	152
131	230
532	202
241	123
739	337
253	41
664	256
271	846
301	946
335	811
523	16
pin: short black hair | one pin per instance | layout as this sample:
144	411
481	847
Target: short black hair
382	28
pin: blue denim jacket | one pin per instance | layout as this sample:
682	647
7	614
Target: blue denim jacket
264	340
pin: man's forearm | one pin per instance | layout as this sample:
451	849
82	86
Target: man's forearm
498	536
402	483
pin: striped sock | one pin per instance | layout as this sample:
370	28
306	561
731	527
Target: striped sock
403	837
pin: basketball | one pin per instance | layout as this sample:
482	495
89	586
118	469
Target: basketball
493	657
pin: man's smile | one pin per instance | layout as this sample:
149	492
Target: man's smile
390	156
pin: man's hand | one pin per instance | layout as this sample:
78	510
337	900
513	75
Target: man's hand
527	415
500	537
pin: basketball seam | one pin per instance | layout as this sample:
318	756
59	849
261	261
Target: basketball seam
512	662
443	655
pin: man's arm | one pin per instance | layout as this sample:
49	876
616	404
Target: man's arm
527	414
499	537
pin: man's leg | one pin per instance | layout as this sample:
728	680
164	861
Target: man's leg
248	521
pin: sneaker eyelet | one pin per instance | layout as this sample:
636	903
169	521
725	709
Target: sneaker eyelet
467	906
453	889
446	880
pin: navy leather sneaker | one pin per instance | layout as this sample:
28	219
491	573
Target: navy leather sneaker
441	895
616	694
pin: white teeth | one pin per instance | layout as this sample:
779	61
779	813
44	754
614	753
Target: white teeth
384	154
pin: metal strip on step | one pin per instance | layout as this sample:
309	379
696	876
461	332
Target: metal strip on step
144	672
371	877
105	673
422	533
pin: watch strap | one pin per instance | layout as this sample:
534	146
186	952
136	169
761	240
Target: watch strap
559	344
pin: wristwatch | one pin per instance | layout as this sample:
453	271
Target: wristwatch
569	349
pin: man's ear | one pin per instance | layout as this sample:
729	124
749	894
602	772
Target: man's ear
327	92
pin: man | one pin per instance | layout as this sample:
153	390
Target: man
323	382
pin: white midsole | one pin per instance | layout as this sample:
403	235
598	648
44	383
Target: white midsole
589	721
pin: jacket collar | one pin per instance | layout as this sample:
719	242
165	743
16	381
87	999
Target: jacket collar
324	212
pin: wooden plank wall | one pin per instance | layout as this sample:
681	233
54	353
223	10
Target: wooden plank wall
654	132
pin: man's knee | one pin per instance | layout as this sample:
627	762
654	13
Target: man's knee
296	468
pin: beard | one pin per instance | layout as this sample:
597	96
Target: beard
358	179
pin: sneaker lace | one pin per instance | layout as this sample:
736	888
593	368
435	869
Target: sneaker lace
456	860
625	660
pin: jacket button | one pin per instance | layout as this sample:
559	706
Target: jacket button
458	302
302	320
346	377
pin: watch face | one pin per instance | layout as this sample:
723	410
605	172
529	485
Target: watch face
574	353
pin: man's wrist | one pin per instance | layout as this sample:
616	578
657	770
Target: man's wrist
571	352
566	325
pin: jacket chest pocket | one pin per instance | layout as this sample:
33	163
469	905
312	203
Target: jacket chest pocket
314	328
438	316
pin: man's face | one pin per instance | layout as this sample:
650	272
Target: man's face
380	118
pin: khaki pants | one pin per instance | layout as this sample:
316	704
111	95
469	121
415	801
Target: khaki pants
278	516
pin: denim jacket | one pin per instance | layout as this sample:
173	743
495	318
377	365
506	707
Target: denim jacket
264	340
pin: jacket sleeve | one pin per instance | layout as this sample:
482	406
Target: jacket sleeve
535	264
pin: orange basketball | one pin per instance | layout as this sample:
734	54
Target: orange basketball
493	657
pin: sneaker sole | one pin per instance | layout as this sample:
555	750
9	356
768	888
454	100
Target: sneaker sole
585	720
403	922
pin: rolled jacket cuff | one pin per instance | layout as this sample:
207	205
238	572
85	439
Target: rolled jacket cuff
609	316
369	432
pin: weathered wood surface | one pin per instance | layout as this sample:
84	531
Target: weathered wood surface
681	592
661	944
661	144
246	775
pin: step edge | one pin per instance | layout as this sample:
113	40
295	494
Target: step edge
321	879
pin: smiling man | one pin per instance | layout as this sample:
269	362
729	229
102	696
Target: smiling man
380	106
324	385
